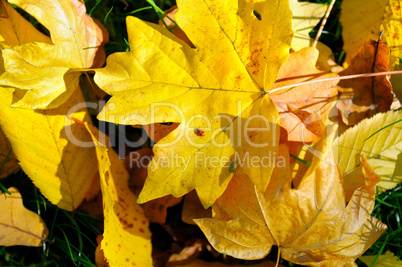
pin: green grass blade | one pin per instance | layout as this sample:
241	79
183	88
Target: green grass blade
68	245
379	252
389	125
138	10
301	160
5	159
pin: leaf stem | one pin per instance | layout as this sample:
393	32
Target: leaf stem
363	75
278	257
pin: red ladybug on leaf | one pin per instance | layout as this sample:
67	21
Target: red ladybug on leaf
199	132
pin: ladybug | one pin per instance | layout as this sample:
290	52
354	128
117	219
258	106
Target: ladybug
199	132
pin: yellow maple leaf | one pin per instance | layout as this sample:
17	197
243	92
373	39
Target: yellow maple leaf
310	223
218	85
305	17
156	209
363	20
126	238
49	72
18	225
15	30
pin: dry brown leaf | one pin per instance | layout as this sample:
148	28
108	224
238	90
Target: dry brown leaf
362	98
189	253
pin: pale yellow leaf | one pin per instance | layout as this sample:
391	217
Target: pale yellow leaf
19	226
388	259
305	17
383	151
50	72
15	30
43	142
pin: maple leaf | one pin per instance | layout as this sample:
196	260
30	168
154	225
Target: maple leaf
225	78
15	30
18	225
372	18
126	238
310	223
303	109
305	17
43	143
49	71
168	21
362	98
383	151
137	163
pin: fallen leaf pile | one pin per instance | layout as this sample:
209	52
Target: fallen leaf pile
241	116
